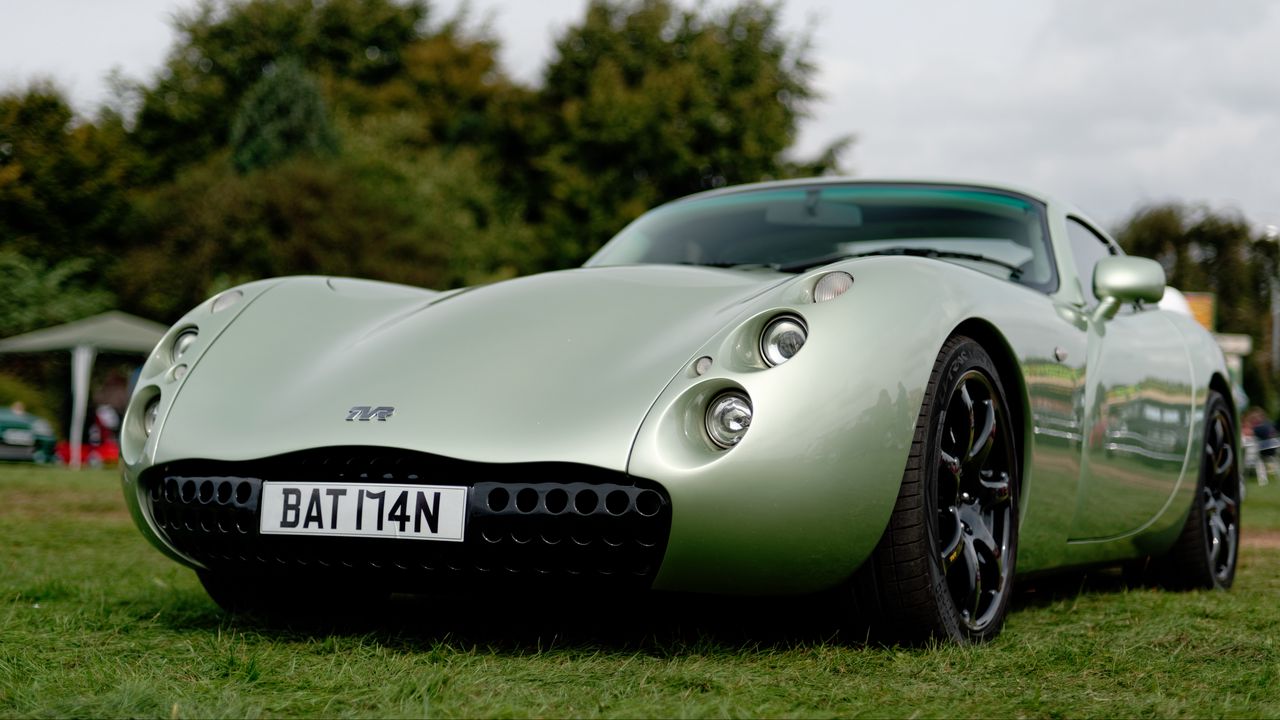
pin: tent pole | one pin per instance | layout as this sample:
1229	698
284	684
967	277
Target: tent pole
81	370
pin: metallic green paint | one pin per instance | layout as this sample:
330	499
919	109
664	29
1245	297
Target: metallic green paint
1129	278
596	366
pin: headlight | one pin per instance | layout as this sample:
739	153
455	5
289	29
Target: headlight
728	417
782	339
184	341
149	416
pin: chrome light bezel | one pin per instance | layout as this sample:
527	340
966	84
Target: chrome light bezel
183	341
772	359
150	414
715	406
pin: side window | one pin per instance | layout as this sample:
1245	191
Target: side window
1088	247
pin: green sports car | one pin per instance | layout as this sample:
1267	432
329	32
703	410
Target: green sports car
24	436
905	393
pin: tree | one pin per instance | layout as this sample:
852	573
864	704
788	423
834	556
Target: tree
61	181
369	57
645	102
37	295
281	116
428	218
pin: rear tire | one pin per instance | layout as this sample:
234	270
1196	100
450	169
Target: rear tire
944	567
1204	556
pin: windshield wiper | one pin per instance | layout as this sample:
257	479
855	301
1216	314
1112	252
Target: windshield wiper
801	266
735	265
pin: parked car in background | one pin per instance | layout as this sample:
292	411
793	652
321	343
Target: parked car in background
905	393
24	436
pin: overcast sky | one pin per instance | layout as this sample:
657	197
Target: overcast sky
1106	103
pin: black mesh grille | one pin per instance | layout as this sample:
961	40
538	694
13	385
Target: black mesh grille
525	522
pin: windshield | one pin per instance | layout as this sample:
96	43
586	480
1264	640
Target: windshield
794	228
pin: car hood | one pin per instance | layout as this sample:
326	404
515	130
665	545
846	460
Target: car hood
561	366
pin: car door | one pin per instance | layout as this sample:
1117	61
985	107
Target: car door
1138	408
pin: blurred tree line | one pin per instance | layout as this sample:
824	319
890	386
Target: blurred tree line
371	138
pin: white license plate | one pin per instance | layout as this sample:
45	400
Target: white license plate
415	512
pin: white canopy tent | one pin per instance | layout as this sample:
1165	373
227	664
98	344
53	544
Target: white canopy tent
113	331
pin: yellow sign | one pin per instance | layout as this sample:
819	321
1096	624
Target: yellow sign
1203	306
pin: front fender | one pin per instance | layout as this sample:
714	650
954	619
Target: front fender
803	499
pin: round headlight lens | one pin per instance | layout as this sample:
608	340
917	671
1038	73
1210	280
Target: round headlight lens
183	342
728	417
831	286
150	414
782	339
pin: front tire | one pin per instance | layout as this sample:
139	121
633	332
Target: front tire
944	567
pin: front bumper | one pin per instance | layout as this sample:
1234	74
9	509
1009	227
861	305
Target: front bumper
554	523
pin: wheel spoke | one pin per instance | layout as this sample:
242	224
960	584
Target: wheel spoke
1223	463
950	463
974	580
966	399
967	432
985	544
1219	528
985	438
1227	507
952	550
996	491
1219	432
1219	450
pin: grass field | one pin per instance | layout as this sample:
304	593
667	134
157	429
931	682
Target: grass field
95	623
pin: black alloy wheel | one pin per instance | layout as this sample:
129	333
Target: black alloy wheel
1204	555
975	500
944	567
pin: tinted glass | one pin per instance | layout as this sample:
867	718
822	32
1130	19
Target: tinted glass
794	225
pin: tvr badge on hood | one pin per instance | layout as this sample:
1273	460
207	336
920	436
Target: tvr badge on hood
364	413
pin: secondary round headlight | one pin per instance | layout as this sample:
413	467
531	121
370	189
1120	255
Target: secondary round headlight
728	417
184	341
150	414
782	339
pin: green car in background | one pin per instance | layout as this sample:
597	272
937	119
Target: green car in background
26	437
898	392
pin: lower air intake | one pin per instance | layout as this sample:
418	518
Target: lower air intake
533	522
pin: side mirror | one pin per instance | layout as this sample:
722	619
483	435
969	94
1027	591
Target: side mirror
1121	279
